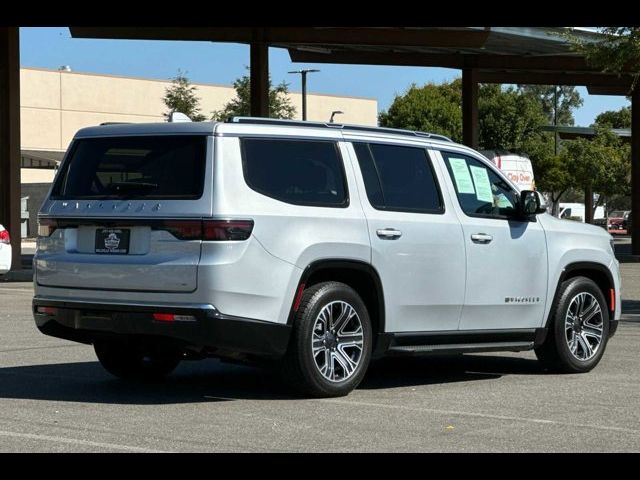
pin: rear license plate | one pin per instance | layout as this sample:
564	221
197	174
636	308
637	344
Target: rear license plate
112	241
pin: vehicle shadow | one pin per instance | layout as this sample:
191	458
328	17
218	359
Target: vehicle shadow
213	381
631	307
429	370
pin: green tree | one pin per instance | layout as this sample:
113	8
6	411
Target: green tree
279	102
507	117
615	118
181	97
557	102
430	108
618	51
602	164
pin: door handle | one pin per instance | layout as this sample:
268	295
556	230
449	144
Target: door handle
481	238
388	233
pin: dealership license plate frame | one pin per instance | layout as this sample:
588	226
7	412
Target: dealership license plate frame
112	241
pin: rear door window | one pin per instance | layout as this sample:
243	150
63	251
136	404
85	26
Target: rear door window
301	172
399	178
149	167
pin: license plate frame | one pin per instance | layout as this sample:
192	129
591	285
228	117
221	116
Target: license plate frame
112	241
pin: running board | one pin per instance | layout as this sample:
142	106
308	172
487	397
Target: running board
462	348
459	341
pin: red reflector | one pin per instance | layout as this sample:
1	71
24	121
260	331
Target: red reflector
296	303
4	237
164	317
612	305
47	310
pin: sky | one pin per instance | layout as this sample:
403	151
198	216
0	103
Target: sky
221	63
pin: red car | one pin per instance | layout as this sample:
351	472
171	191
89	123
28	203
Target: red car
619	220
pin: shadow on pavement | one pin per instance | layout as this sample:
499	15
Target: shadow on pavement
211	380
631	307
430	370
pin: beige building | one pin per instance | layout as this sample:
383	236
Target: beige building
55	104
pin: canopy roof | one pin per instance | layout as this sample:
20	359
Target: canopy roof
531	55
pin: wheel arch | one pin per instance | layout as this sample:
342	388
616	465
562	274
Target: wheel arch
597	272
359	275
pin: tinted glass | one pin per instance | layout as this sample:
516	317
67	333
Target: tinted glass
370	175
302	172
398	177
481	192
134	167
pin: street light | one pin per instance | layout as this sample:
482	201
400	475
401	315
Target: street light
303	73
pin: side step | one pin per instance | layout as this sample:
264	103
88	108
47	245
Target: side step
461	348
459	341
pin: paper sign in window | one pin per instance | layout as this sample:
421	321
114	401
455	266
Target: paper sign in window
482	183
461	175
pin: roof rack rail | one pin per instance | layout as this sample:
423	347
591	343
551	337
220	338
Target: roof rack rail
115	123
360	128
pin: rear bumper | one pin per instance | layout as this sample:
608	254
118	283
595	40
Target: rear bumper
212	331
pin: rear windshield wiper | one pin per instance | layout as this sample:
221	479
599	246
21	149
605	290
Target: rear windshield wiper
129	186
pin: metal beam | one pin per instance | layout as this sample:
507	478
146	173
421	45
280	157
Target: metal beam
635	171
608	90
470	123
557	78
562	63
259	72
10	138
410	37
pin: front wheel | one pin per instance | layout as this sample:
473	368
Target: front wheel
578	330
331	341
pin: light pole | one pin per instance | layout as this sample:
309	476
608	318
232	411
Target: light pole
303	73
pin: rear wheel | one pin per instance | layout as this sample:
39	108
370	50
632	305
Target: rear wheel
578	330
133	361
331	341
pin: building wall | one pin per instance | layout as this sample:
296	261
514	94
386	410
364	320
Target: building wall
55	104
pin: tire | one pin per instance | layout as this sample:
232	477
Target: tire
559	353
132	361
322	304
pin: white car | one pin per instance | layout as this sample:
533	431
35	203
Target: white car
5	250
317	246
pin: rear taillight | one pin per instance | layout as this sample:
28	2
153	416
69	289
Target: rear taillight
182	229
46	226
209	230
227	229
4	237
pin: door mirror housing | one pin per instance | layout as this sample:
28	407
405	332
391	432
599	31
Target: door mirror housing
531	203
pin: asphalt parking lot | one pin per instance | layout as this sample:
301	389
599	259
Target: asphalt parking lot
55	397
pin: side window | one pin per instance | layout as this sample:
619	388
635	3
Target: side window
481	192
398	178
301	172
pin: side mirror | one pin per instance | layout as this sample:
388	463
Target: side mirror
530	203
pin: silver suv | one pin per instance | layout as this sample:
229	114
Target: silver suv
320	246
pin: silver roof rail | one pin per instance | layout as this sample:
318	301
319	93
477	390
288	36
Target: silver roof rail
360	128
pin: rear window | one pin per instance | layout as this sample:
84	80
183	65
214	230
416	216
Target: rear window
149	167
301	172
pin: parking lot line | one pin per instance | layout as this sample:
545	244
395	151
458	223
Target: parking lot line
482	415
76	441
